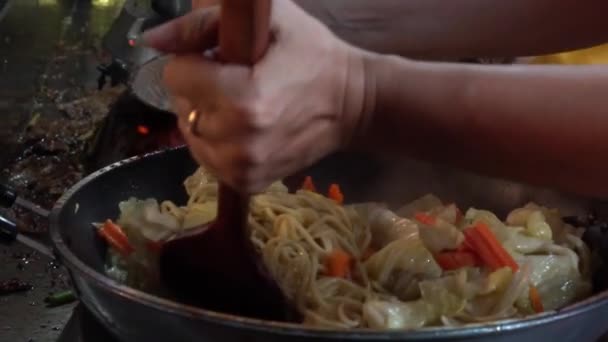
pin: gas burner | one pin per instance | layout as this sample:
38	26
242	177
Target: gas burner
127	56
132	128
83	327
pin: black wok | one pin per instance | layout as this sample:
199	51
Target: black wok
136	316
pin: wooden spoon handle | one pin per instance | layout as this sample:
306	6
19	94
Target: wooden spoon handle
244	30
244	34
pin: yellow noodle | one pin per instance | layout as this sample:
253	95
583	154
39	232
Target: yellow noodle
295	232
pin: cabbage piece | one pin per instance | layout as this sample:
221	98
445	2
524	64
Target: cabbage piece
445	295
422	204
558	281
533	220
144	218
552	217
449	213
499	304
497	227
441	236
387	227
379	314
496	281
402	264
523	243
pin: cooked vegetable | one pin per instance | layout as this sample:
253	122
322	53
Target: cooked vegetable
308	184
335	193
538	227
116	238
60	298
364	266
338	264
397	315
535	300
455	260
498	228
557	279
440	236
387	227
406	254
498	281
483	242
423	204
449	213
444	295
425	219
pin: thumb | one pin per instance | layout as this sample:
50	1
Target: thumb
194	32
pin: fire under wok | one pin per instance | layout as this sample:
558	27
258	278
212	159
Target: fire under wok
133	315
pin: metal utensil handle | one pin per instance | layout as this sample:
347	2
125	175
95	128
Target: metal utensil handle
8	230
244	35
8	196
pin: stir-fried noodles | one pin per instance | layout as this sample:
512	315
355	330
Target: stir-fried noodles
363	265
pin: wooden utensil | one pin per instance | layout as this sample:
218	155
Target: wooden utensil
216	266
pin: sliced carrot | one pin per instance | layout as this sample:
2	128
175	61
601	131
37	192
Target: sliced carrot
535	300
482	242
338	264
116	238
369	251
308	184
425	219
454	260
335	193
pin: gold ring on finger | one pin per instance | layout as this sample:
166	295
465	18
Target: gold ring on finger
193	121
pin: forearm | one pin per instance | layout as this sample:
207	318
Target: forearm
464	28
544	125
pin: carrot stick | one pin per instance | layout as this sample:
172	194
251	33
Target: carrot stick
338	264
535	300
425	219
482	241
116	238
335	193
308	184
454	260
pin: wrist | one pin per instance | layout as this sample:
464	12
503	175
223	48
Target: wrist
360	93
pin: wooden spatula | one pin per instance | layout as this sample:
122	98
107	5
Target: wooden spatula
215	266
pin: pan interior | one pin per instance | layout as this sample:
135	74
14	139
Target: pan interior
362	178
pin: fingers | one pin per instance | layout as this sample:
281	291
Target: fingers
189	76
214	91
204	3
221	159
194	32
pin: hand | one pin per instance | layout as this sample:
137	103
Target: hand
302	101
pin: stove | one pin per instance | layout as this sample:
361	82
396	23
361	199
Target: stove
80	321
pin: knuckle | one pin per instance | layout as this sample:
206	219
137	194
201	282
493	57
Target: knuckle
257	112
253	155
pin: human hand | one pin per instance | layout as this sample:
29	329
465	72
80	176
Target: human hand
303	100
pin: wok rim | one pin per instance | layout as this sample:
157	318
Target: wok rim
282	328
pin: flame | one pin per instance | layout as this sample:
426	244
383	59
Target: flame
143	130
